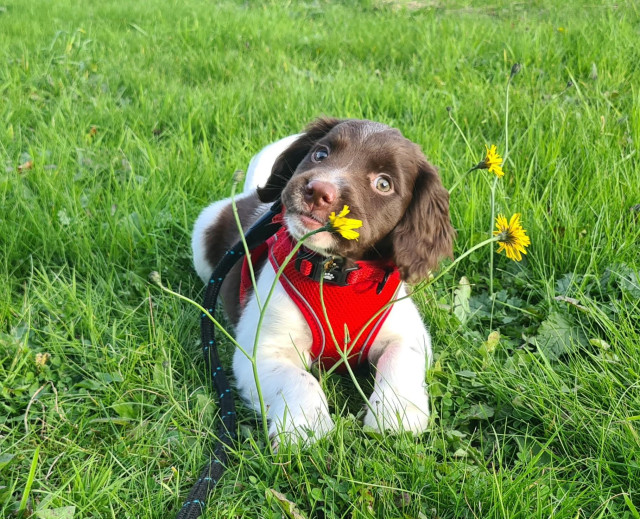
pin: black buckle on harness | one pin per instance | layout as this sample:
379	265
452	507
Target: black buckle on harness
331	269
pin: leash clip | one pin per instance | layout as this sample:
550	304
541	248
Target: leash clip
382	283
317	267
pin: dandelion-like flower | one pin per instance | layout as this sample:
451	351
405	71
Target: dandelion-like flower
513	238
344	226
492	162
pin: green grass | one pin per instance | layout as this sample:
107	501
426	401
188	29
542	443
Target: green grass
119	419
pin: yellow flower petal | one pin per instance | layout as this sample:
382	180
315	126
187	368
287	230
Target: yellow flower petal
343	213
514	239
492	161
345	226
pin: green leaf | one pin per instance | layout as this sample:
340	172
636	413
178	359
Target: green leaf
558	335
108	378
461	296
629	281
205	405
160	371
316	494
30	479
631	506
125	410
599	343
563	285
480	412
436	389
90	384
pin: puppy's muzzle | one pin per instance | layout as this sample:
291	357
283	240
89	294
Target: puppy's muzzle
319	197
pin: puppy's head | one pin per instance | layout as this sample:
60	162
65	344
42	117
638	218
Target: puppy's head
384	179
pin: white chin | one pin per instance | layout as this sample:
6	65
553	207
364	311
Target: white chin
321	242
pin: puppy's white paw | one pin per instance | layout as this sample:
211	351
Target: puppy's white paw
397	413
301	426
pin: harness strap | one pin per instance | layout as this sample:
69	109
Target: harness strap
347	313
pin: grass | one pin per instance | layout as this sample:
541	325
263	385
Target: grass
121	120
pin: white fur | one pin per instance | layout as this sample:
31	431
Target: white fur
321	242
203	268
295	403
260	165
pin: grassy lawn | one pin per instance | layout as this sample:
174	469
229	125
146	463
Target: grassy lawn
119	121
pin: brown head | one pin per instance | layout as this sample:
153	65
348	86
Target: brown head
384	179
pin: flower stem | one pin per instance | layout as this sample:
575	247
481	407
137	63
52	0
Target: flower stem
495	180
253	359
345	352
202	309
493	217
454	263
247	252
262	308
462	177
422	286
506	122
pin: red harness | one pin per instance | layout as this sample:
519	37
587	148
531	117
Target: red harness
353	309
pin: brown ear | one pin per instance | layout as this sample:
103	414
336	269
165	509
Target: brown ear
288	160
424	235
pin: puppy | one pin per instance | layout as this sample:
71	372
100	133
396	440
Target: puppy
386	182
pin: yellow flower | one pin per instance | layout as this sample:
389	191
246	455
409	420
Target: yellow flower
492	161
344	226
513	239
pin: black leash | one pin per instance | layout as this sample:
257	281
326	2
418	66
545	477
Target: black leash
212	472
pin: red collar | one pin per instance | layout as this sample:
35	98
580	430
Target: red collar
353	297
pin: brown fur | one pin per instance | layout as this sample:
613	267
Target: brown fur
410	226
286	164
424	235
413	228
223	235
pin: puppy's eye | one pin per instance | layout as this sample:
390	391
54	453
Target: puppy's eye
382	184
320	154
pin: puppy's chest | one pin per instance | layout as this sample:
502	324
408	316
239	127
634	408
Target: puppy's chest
336	318
282	323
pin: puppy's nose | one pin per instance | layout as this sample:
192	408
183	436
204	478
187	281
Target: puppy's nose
320	194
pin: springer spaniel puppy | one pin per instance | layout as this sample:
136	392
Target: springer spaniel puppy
387	183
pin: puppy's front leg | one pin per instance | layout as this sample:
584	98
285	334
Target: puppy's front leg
294	401
403	351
